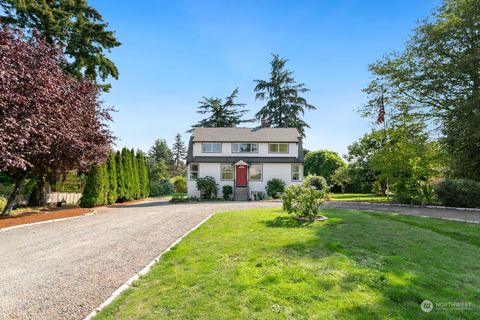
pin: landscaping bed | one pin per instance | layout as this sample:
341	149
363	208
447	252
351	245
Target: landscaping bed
43	214
264	264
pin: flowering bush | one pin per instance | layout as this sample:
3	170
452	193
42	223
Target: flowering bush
303	201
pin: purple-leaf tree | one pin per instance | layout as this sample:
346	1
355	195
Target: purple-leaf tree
50	121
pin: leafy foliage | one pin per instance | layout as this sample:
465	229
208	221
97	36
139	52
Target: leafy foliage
341	177
161	152
180	184
284	106
317	182
96	187
458	193
74	26
436	80
161	187
221	114
227	192
207	187
303	201
275	187
51	123
121	189
323	163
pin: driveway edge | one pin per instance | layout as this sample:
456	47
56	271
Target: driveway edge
46	221
142	272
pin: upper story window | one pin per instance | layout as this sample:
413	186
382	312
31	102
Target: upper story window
193	171
244	147
211	147
278	147
296	172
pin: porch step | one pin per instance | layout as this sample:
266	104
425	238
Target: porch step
241	194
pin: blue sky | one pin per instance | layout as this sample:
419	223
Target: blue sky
175	52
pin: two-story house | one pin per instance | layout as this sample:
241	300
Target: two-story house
244	158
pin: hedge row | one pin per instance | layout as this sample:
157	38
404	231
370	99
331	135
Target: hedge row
122	178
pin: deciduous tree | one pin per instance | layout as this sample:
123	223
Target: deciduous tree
50	122
323	163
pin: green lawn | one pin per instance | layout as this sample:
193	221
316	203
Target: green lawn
358	197
262	264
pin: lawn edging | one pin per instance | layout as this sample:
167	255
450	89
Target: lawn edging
142	272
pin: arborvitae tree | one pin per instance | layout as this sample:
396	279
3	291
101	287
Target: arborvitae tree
221	114
112	178
179	151
121	193
136	176
127	169
94	191
143	175
284	106
105	184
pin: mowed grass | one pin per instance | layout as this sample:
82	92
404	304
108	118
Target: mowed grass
358	197
262	264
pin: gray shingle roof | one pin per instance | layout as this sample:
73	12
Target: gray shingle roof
245	135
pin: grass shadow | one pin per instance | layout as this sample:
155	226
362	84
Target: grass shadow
287	222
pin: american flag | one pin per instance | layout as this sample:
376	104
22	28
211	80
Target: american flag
381	115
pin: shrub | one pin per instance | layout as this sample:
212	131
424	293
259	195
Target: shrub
3	203
207	187
227	192
180	184
275	187
96	188
303	201
317	182
458	193
161	187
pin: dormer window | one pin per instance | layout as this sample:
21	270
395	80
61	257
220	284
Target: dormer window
211	147
244	147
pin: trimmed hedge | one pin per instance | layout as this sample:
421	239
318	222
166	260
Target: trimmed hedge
458	193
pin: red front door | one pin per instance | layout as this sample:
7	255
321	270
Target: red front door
241	176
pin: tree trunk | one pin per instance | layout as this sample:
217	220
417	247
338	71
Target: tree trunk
38	196
13	196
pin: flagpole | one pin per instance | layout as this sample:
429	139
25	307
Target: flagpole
385	141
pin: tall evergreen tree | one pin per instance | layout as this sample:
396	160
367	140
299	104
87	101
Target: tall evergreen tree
284	106
105	184
75	26
112	178
95	187
136	176
179	150
127	169
221	114
121	193
143	175
161	152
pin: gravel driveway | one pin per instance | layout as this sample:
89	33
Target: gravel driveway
65	269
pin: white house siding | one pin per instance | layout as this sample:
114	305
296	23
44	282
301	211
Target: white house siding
205	170
281	171
262	151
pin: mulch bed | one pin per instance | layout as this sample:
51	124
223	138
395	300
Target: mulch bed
42	215
310	219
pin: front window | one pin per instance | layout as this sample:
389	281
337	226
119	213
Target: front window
193	171
244	147
256	172
296	172
211	147
227	172
278	148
